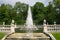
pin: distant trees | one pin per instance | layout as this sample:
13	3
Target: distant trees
38	13
57	7
51	12
5	10
18	12
20	9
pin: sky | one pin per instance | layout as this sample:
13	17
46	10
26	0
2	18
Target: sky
30	2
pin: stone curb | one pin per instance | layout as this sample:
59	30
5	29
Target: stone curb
6	36
50	35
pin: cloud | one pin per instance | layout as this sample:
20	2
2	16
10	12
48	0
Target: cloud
30	2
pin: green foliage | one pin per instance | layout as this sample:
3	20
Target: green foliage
38	12
18	12
51	13
2	35
56	35
17	30
21	12
57	3
40	30
7	13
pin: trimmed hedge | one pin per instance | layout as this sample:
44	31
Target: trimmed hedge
18	30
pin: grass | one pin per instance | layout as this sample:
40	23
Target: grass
56	35
2	35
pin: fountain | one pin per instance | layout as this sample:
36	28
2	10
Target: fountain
29	35
29	23
29	20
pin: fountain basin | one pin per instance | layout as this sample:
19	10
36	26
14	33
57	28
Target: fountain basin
23	36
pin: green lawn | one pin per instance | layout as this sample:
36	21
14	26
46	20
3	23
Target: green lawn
56	35
2	35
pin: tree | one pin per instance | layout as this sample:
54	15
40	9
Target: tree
2	12
51	13
38	13
5	11
8	14
21	12
57	7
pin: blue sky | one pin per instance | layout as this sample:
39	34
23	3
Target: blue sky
30	2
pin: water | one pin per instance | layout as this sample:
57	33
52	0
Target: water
29	23
29	35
